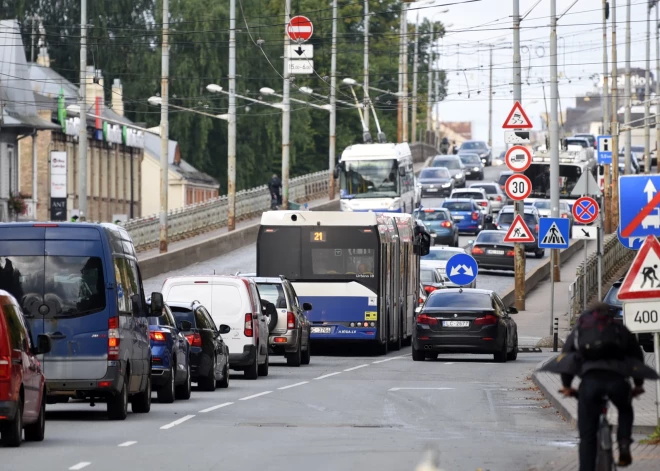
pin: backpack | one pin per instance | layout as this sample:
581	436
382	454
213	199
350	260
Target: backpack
600	337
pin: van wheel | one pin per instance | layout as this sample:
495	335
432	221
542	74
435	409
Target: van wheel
224	382
118	404
183	391
251	370
166	393
262	370
12	433
141	402
35	432
307	354
295	358
208	383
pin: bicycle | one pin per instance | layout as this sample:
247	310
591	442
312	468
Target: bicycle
604	443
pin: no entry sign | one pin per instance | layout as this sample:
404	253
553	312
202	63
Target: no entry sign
518	187
300	28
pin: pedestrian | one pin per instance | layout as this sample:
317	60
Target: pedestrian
274	187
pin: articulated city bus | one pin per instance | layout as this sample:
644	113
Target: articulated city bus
354	268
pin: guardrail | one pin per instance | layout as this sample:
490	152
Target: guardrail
421	151
195	219
615	256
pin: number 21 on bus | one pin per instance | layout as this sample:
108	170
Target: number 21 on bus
518	187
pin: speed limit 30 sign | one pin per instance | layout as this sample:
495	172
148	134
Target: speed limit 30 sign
642	316
518	187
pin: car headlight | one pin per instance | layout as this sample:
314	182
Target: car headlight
446	185
475	169
485	154
459	175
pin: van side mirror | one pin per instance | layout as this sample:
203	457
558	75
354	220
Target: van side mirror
136	304
307	307
185	326
157	304
44	345
224	329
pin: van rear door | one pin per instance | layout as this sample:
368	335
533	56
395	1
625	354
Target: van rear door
229	307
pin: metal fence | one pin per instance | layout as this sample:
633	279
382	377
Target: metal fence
195	219
615	256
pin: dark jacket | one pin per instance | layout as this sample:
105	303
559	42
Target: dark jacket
633	355
274	185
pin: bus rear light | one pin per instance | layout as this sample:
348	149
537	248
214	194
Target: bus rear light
248	330
352	324
290	321
113	339
366	324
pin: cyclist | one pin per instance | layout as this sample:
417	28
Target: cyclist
444	146
604	351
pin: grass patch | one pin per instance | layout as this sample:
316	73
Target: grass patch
653	439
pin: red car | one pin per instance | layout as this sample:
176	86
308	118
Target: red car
22	383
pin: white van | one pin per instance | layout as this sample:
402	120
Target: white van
231	300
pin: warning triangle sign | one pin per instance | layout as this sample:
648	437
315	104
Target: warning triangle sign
554	236
517	118
643	278
518	231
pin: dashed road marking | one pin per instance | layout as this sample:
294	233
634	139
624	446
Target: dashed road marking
328	375
293	385
420	389
81	465
255	395
125	444
204	411
449	363
356	367
177	422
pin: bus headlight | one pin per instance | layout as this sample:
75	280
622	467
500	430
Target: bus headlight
396	204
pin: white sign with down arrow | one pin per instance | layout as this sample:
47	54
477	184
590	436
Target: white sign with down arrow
301	51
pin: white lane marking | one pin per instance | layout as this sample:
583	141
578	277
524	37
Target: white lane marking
255	395
81	465
356	367
204	411
293	385
449	363
328	375
177	422
125	444
389	359
420	389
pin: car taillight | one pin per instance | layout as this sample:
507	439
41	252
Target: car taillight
499	198
536	228
482	203
426	320
429	289
113	339
5	367
248	331
510	253
445	224
290	320
564	215
477	250
475	216
420	301
195	340
488	319
157	336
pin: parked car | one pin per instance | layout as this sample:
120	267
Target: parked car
616	308
496	196
474	168
22	381
531	218
454	165
435	182
233	301
437	259
465	321
171	375
477	194
491	252
85	291
290	334
209	355
480	148
440	224
466	213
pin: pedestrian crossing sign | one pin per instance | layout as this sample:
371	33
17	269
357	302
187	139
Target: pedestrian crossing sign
554	233
643	278
518	232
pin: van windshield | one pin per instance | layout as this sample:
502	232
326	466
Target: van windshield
69	286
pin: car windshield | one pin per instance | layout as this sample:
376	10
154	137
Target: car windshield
456	300
490	238
475	195
611	296
452	164
474	145
431	215
504	177
470	159
457	205
441	255
273	293
426	275
369	179
490	189
542	204
438	172
577	142
507	218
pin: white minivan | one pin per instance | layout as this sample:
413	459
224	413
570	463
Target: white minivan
234	301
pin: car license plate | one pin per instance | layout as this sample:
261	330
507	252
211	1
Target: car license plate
432	189
455	323
321	330
496	252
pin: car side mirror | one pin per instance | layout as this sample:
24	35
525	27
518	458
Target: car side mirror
512	310
44	345
470	242
136	304
185	326
224	329
157	304
307	307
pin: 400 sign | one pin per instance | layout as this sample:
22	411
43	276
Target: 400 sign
642	316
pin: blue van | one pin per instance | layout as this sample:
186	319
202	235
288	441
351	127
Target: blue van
80	284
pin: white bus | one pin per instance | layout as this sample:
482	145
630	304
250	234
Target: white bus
377	177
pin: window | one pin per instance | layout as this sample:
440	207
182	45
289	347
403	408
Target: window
292	296
74	285
473	145
504	177
438	173
427	276
343	261
470	159
490	238
465	194
17	334
458	205
23	278
457	300
441	255
452	164
490	189
431	215
273	293
201	319
127	284
208	319
370	178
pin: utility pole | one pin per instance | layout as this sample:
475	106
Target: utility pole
405	74
607	196
614	221
647	92
554	142
365	87
429	79
286	118
164	127
231	126
333	98
413	124
628	97
82	137
490	98
657	84
519	249
399	100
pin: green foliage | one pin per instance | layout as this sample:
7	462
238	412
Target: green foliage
124	43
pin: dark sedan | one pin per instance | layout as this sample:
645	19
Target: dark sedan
435	181
454	165
465	321
480	148
440	224
474	168
491	252
616	308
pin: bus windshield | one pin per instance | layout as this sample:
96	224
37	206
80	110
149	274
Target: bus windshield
319	253
369	179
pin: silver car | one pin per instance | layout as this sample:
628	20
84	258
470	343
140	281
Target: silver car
495	194
438	257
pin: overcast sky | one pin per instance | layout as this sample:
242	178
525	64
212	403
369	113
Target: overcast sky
475	25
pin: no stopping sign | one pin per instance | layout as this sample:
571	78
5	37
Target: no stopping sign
518	187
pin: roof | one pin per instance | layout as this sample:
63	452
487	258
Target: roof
322	218
376	151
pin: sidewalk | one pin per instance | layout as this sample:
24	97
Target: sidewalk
645	458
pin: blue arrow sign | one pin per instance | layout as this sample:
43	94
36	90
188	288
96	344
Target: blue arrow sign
604	144
632	243
639	205
554	233
461	269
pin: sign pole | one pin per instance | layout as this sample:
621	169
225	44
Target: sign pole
656	349
552	295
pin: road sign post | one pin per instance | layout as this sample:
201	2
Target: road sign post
299	30
461	269
518	158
